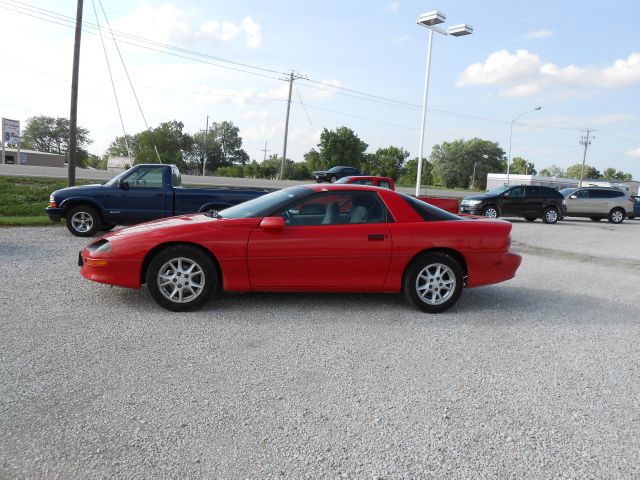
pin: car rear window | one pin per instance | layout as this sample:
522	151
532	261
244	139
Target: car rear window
428	212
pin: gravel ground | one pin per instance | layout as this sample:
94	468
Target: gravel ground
538	377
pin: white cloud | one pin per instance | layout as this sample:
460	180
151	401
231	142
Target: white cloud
634	153
322	92
613	118
394	7
524	74
167	23
539	34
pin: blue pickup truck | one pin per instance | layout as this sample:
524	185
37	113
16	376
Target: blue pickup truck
142	193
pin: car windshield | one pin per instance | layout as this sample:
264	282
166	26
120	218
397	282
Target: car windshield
115	179
343	180
335	170
265	204
498	190
567	191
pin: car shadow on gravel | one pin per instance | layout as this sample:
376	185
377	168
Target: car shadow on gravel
506	304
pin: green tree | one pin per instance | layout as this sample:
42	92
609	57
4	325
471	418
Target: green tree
613	174
227	136
410	172
453	162
337	147
552	171
520	166
589	172
387	162
51	135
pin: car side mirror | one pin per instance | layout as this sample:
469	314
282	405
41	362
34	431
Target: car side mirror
573	196
272	223
506	194
123	185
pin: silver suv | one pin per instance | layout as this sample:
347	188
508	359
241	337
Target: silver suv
597	203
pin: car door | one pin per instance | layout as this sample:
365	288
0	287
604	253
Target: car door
578	203
347	245
141	196
512	201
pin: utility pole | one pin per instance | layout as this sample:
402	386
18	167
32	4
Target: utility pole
586	141
265	151
292	76
206	134
73	116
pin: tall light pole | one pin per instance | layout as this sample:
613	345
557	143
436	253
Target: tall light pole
511	135
429	20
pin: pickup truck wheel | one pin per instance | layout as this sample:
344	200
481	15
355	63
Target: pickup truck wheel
181	278
490	211
83	221
550	215
617	215
433	282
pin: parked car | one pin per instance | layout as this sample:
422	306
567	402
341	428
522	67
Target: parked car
636	206
335	173
597	203
527	201
337	238
446	203
142	193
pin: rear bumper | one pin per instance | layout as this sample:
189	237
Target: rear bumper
490	269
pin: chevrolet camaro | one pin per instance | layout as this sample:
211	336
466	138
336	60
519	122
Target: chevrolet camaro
313	238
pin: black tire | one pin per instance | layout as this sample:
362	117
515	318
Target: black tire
83	221
617	215
491	211
595	219
550	215
177	264
333	179
427	276
530	219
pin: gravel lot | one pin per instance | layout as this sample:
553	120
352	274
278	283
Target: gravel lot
538	377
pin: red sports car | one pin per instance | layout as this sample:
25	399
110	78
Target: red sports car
321	238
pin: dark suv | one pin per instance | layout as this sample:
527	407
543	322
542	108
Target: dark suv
528	201
335	173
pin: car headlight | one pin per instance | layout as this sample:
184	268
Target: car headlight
101	246
471	203
52	202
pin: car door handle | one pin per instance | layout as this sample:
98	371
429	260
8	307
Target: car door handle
376	237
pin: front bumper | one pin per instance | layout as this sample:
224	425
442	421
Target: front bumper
102	269
471	209
54	214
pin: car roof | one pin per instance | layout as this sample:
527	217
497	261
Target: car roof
337	187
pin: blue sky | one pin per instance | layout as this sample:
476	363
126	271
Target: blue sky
579	61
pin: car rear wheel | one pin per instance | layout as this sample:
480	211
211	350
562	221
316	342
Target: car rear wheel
433	282
550	215
181	278
490	211
616	215
530	219
595	219
83	221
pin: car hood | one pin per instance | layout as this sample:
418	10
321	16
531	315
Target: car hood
477	197
78	191
174	226
320	172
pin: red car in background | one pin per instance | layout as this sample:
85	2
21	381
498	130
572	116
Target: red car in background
320	238
446	203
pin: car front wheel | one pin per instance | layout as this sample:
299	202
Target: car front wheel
616	215
181	278
490	211
333	179
433	282
83	221
550	215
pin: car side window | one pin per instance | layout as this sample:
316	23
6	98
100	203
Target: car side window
336	208
583	194
516	192
534	192
384	184
145	177
176	178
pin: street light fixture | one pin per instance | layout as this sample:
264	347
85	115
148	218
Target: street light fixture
429	20
511	135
